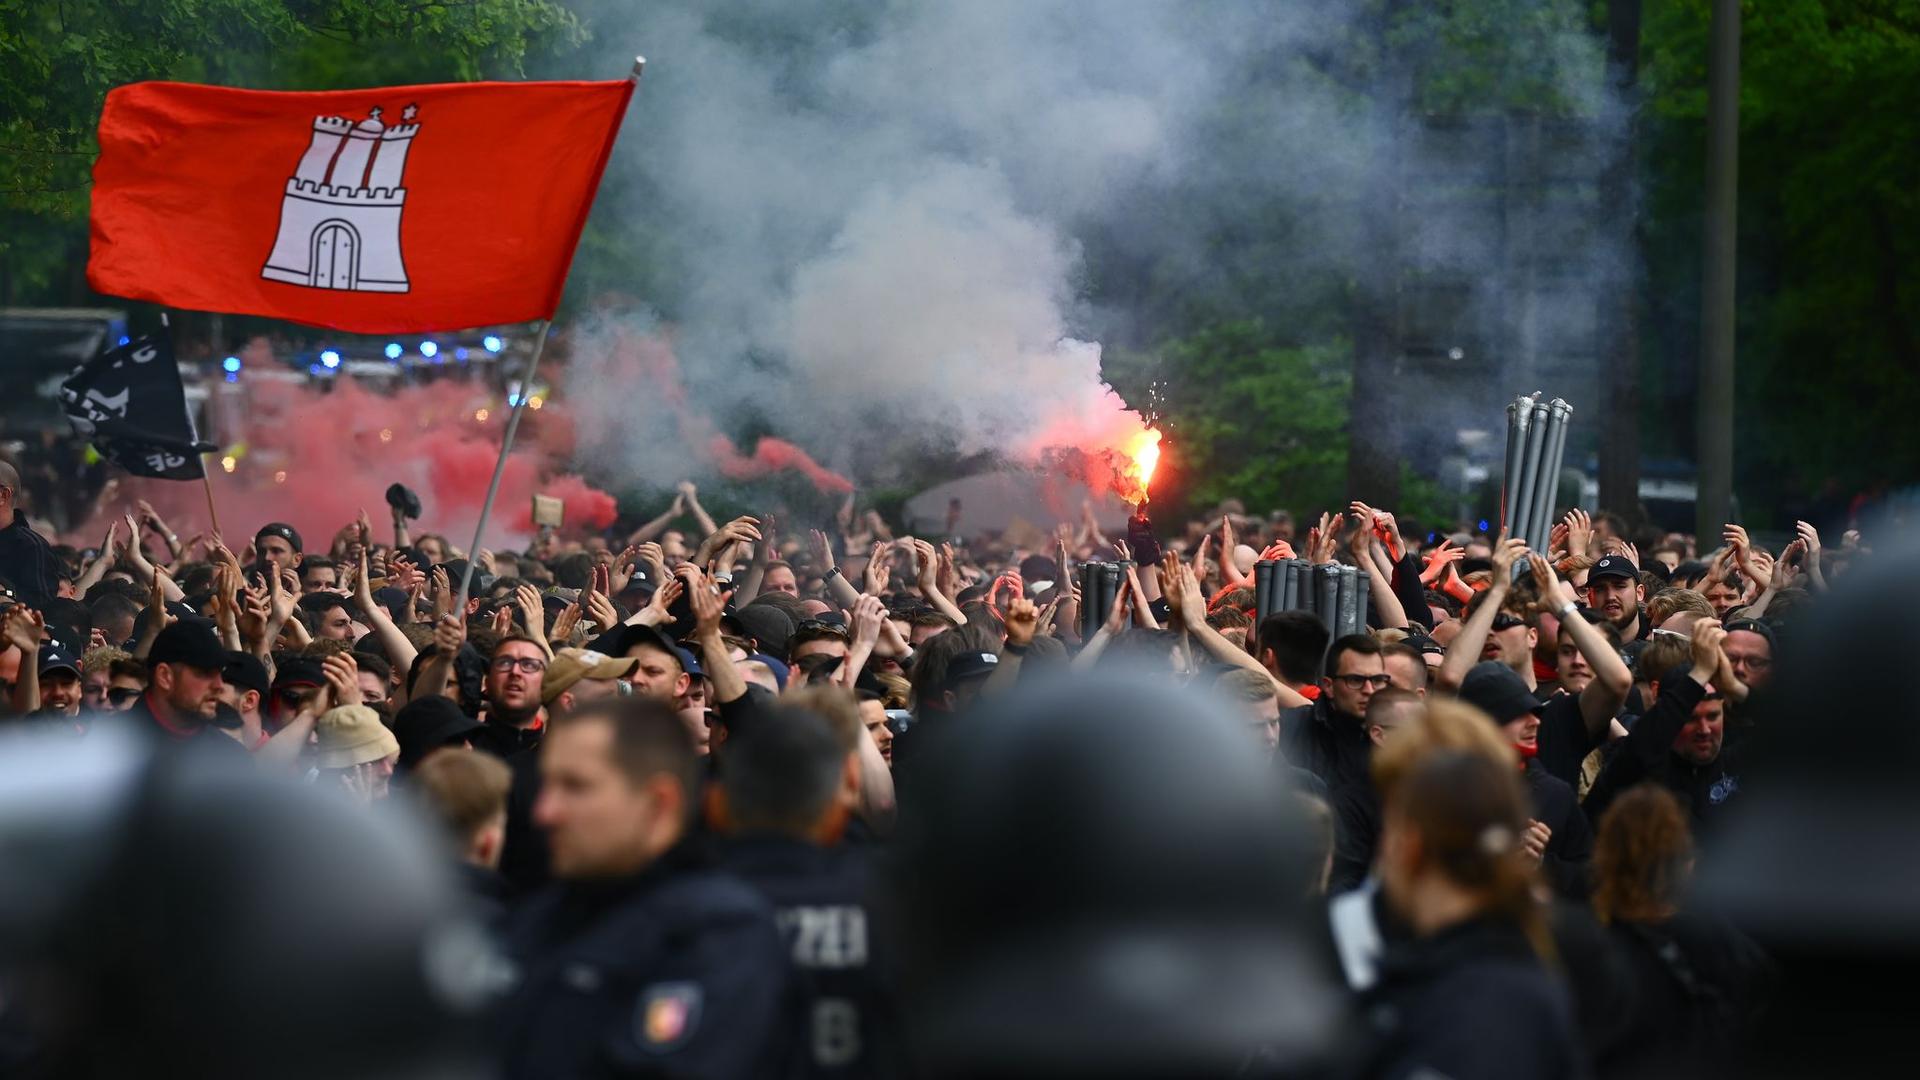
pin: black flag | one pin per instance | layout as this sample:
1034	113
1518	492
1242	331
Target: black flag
130	404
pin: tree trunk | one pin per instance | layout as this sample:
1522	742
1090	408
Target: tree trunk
1373	443
1619	315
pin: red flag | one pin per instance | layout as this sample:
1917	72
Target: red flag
390	210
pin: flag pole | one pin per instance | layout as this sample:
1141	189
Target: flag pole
506	443
521	393
206	481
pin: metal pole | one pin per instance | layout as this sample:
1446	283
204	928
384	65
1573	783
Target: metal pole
1559	415
1715	420
1348	592
1519	411
1326	593
1262	590
1363	587
1530	448
1294	591
500	466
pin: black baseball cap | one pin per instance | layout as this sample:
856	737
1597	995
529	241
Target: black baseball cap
192	644
427	724
968	666
245	671
282	530
1497	690
300	671
1614	566
54	659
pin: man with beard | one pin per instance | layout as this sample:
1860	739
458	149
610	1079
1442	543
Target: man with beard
1570	725
516	673
185	667
1679	743
1614	590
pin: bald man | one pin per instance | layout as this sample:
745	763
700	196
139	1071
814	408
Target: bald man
26	562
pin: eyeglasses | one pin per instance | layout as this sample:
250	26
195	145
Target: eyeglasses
1361	682
121	695
1504	621
528	665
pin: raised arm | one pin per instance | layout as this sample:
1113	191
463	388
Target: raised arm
1467	645
1361	544
707	607
652	529
400	652
691	496
926	566
1602	698
843	592
1191	610
22	628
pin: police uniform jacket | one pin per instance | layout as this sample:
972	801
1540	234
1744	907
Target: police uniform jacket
678	971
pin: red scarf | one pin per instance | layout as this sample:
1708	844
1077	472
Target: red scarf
1527	752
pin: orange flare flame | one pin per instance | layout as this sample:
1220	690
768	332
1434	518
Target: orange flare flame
1144	450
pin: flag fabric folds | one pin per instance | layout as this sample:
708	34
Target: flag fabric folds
387	210
130	404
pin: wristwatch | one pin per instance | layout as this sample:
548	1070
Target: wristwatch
830	573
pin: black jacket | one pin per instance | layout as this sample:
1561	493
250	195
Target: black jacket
1700	985
847	1022
1470	1002
1647	754
1570	848
27	563
678	971
1331	745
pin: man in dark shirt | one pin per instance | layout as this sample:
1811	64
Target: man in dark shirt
26	561
1328	738
1679	743
186	668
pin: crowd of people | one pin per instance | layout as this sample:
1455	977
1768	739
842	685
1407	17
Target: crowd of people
749	799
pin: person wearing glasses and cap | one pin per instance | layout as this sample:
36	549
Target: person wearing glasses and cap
515	715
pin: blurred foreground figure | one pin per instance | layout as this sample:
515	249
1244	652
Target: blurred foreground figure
177	915
1819	868
1101	881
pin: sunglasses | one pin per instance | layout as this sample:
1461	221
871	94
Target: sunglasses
121	695
528	665
1504	621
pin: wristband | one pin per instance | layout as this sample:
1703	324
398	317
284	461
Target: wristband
830	573
1014	650
1569	608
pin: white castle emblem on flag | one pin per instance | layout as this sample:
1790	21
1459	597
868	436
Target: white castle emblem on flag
340	219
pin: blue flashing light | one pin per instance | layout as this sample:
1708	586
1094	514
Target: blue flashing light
429	350
1483	524
124	339
330	358
393	350
492	343
460	354
231	363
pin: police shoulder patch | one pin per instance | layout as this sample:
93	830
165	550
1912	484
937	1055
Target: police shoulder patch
667	1015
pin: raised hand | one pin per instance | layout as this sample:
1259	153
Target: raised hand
22	629
1555	591
1533	842
1439	561
564	624
821	549
604	616
1023	621
658	612
449	633
1361	539
708	606
949	577
1579	532
1708	635
868	614
342	686
1200	556
503	620
1506	552
1279	549
879	569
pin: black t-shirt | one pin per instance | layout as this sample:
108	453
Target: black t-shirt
1563	738
27	563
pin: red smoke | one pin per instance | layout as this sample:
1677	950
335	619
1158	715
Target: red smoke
773	455
624	357
315	457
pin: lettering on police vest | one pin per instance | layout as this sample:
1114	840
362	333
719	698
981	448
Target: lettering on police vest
826	937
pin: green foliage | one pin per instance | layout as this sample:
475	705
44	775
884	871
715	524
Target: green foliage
1829	332
1248	417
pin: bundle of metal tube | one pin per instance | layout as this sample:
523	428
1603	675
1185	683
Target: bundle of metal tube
1338	594
1536	442
1099	589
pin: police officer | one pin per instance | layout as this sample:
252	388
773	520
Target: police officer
781	800
642	959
